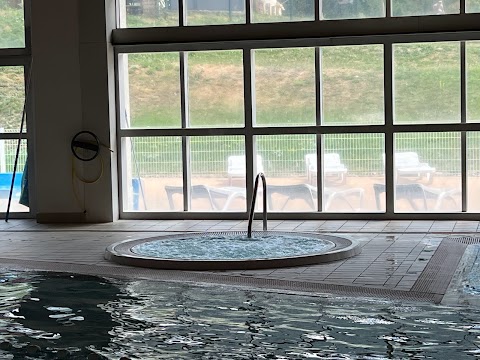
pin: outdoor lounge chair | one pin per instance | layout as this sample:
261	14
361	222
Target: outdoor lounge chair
215	196
308	193
197	192
408	164
332	166
236	167
412	192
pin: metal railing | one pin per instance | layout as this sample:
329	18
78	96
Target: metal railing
252	205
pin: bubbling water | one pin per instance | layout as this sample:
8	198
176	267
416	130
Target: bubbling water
233	247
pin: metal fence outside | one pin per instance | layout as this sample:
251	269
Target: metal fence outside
8	149
284	155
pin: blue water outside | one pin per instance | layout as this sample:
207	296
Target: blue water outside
70	316
233	247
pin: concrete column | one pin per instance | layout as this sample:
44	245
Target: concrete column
73	87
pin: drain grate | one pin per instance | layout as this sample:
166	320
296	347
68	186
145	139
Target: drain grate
439	271
467	240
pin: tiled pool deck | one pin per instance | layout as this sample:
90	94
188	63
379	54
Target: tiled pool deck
408	259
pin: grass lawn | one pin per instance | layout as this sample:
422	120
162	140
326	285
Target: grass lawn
12	33
426	86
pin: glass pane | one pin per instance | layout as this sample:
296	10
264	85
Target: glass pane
473	6
427	172
218	173
12	27
473	172
215	12
215	88
427	83
352	170
425	7
351	9
473	81
352	85
285	86
283	162
8	149
12	98
267	11
152	174
148	13
152	90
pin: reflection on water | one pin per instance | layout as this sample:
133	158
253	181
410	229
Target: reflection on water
46	316
54	312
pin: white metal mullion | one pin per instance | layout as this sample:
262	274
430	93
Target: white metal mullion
318	122
389	129
249	104
185	122
463	120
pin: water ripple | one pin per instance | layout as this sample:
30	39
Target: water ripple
155	320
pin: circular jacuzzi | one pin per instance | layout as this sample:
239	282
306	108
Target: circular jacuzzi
231	250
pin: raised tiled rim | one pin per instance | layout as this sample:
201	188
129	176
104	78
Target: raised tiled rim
121	253
186	277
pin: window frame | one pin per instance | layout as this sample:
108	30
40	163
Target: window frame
385	31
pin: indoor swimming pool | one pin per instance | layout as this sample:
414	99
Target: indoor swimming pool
65	316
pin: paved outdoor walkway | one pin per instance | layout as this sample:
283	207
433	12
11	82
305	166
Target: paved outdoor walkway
395	254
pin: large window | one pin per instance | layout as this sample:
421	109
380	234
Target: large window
425	7
173	13
12	98
14	60
427	83
12	27
372	126
284	87
352	85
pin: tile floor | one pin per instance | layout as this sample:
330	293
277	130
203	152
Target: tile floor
394	253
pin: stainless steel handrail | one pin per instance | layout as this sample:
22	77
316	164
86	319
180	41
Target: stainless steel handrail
252	205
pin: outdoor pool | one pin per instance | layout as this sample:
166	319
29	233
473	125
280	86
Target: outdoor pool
52	316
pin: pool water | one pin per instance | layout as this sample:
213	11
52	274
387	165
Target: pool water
233	246
471	284
50	316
